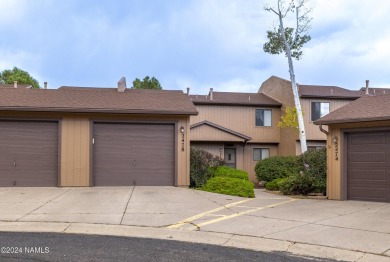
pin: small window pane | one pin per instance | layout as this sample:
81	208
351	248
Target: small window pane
267	118
256	154
324	109
260	153
264	153
319	109
263	117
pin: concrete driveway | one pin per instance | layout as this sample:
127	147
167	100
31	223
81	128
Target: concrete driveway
354	229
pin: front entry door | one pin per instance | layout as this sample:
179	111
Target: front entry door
230	157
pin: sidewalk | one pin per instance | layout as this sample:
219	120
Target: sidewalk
347	231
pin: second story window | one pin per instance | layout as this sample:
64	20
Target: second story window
319	109
263	117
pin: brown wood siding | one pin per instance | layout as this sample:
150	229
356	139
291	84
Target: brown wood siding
29	153
75	160
133	154
312	130
240	119
249	163
208	133
280	90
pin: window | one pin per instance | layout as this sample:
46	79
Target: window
315	147
318	110
260	153
263	117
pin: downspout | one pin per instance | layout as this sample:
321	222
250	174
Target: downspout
323	130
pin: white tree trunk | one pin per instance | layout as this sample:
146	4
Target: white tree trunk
302	133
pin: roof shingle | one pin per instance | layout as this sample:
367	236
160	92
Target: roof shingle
315	91
230	98
95	100
367	108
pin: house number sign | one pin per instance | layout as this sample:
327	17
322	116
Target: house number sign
182	142
182	138
336	147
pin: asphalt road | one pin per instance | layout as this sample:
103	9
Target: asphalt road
73	247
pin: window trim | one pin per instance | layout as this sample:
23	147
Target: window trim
269	109
311	108
261	155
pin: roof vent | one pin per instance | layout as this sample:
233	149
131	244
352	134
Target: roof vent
122	84
15	84
211	94
367	83
196	96
188	91
331	91
249	98
45	85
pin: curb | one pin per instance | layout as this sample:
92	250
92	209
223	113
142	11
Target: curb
203	237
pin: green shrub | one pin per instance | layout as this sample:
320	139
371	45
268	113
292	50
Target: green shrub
274	185
276	167
201	164
313	164
226	171
229	186
297	184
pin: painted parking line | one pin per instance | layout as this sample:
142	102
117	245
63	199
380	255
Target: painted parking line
198	216
241	213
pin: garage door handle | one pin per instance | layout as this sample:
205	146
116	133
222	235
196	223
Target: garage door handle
134	163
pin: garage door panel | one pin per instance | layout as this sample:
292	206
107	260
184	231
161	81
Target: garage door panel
128	154
368	175
369	157
366	139
32	153
367	193
368	166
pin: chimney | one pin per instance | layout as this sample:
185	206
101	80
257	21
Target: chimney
15	84
45	85
367	83
211	94
122	84
188	91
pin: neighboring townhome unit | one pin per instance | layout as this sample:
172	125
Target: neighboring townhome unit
316	101
241	128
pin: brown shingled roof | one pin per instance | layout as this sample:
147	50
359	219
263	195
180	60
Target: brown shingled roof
92	100
368	108
315	91
12	86
232	98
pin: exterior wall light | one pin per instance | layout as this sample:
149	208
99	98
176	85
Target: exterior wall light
335	139
182	130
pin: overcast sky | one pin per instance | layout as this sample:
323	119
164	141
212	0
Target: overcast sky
195	43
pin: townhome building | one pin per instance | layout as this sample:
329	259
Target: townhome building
243	128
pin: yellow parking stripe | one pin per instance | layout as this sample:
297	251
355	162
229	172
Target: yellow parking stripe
242	213
190	219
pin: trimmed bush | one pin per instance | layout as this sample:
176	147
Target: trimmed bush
274	185
229	186
226	171
297	184
313	164
201	164
276	167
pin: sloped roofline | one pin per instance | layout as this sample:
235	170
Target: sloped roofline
224	129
